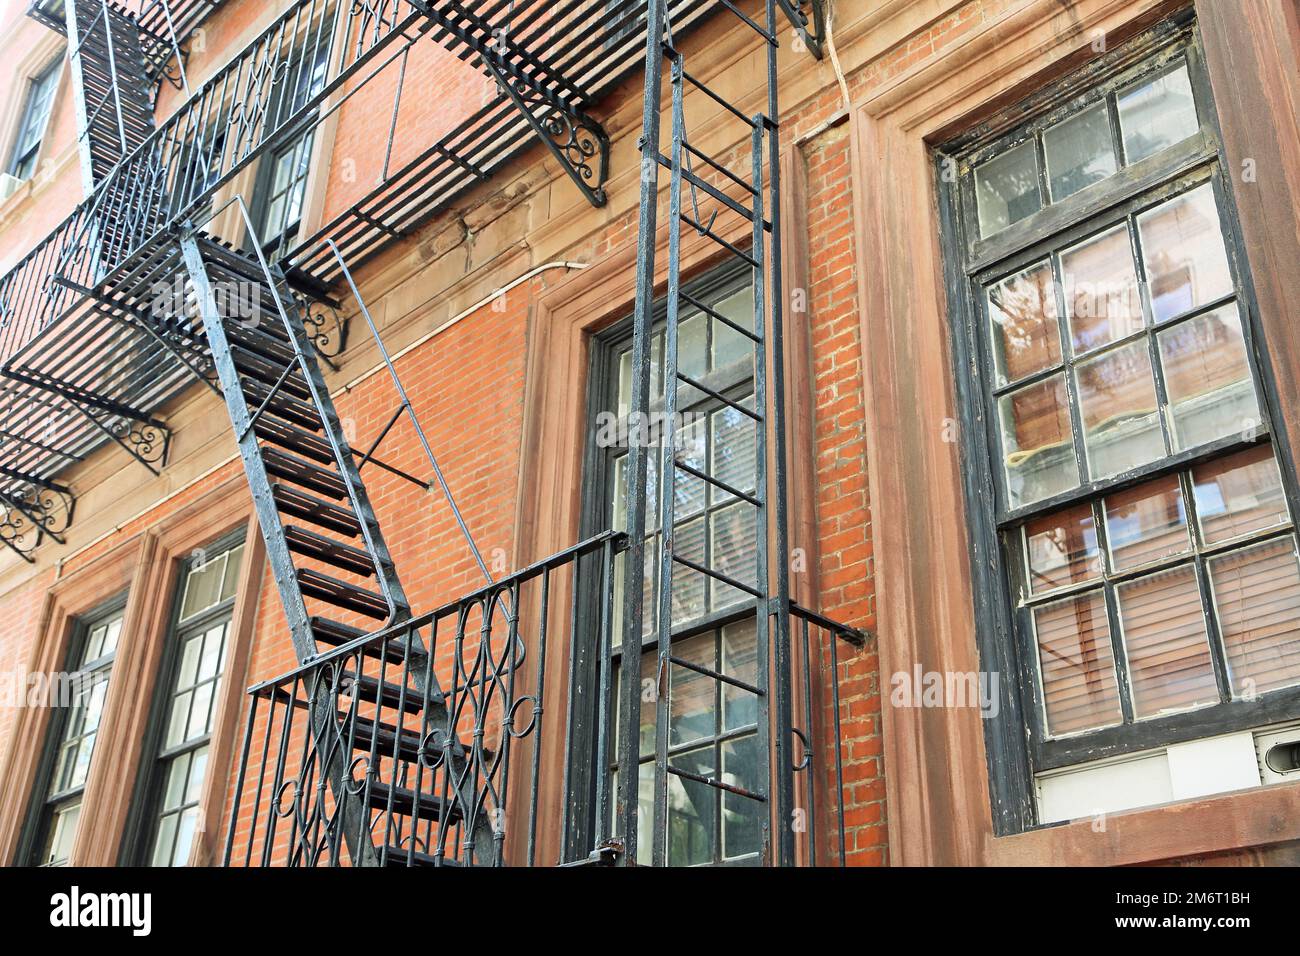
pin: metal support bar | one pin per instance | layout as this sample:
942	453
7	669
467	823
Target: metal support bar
572	137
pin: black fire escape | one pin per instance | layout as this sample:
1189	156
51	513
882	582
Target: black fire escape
392	742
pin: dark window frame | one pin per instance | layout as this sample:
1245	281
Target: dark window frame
32	152
151	779
598	490
1004	633
39	817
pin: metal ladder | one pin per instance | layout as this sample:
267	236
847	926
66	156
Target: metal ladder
753	194
315	514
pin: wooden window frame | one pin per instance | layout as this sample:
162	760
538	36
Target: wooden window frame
36	826
1005	639
51	73
151	776
146	566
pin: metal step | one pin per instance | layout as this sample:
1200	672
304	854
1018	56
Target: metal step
432	807
341	594
389	695
292	438
299	504
402	857
268	372
290	409
255	340
383	738
335	553
290	467
335	634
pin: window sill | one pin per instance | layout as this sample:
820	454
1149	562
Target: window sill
1233	821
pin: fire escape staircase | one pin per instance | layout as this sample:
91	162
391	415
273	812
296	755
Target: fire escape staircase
327	553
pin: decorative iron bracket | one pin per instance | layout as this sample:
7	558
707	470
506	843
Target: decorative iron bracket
577	140
809	20
32	509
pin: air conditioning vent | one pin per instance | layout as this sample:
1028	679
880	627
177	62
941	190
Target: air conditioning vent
1279	755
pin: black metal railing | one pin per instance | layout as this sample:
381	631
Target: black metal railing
263	96
495	762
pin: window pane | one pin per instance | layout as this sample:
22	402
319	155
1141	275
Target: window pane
739	660
1062	549
692	822
203	586
1101	290
1022	313
1157	113
185	836
1146	523
230	583
1079	687
1257	599
178	721
1079	152
742	817
694	710
189	669
624	382
733	462
1006	188
1239	494
165	840
1117	396
688	585
1207	379
1036	443
174	789
1182	248
689	492
62	831
646	744
734	536
214	645
693	346
1164	635
729	345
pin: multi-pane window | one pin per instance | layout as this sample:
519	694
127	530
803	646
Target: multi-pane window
188	703
712	725
282	179
35	117
1144	509
78	707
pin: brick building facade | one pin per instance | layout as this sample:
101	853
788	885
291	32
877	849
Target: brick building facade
505	306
